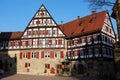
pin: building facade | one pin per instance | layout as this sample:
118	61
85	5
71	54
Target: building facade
115	15
43	46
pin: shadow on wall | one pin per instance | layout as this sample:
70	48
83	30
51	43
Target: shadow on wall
7	63
117	65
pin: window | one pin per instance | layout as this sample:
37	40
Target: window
35	32
47	66
103	38
47	54
46	42
47	21
34	55
20	43
83	40
68	43
106	28
53	41
55	32
75	41
30	42
49	32
29	33
82	53
41	32
68	54
57	54
96	37
37	22
75	53
89	39
27	65
92	19
23	43
16	43
104	50
40	42
79	40
25	55
90	52
96	51
50	41
59	41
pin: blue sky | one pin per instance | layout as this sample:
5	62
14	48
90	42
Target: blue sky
16	14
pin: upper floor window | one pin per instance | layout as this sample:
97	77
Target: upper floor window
54	32
83	40
96	37
89	39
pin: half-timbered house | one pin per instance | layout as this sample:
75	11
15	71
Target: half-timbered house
43	45
90	43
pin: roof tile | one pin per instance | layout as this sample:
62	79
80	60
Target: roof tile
10	35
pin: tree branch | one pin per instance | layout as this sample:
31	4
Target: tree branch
97	4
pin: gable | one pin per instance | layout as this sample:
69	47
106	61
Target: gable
42	18
42	23
107	27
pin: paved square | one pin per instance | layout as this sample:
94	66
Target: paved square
34	77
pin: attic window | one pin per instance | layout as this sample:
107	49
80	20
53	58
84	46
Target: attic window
84	28
72	33
92	19
81	22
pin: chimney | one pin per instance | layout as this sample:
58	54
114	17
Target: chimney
78	17
61	22
93	12
62	25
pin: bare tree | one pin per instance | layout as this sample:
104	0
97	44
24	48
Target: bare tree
98	4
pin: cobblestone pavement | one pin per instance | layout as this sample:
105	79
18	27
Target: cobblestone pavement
34	77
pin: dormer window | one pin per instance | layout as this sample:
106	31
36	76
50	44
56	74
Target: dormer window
81	22
92	19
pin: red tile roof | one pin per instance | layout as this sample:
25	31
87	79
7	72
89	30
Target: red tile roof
10	35
88	24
